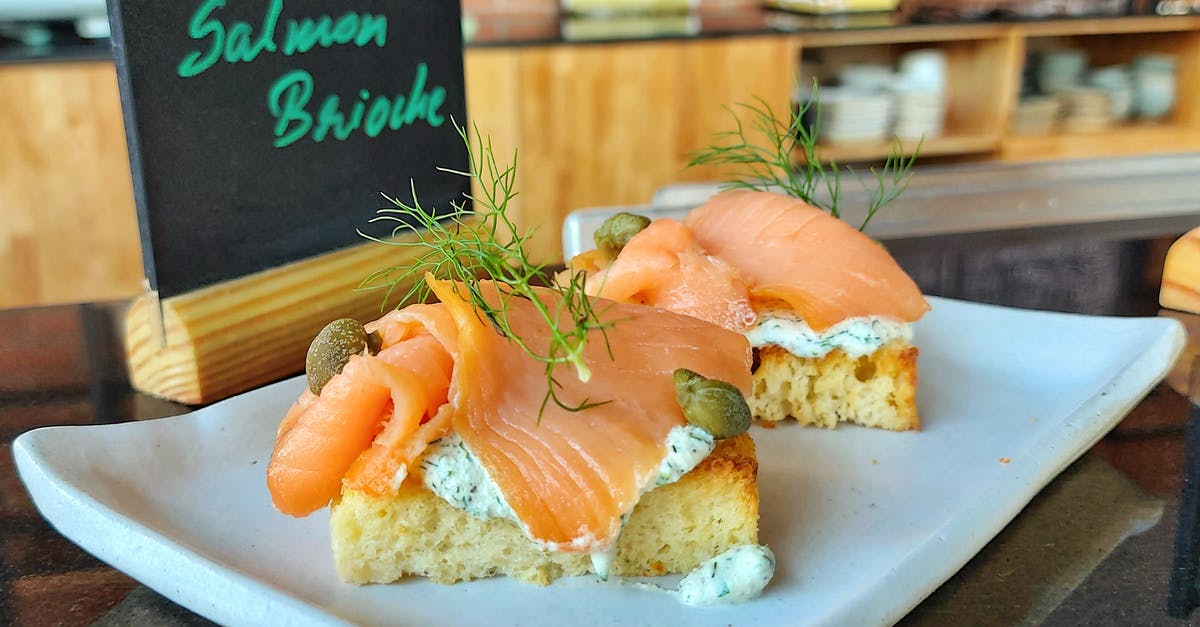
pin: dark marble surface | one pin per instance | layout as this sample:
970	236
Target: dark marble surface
522	30
1094	547
60	365
554	29
49	42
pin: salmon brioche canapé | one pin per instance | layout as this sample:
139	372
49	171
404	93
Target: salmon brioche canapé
828	311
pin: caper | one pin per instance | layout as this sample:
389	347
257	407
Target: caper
331	349
617	230
711	404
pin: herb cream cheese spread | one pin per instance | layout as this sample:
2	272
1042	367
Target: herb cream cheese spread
855	336
453	473
737	575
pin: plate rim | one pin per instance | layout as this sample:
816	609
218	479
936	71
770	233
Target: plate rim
72	511
1130	386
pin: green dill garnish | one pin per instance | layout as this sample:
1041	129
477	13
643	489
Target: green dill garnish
466	246
769	164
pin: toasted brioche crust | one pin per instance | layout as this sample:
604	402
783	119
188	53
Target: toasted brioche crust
876	390
673	529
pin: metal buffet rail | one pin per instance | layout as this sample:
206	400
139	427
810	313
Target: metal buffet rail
992	204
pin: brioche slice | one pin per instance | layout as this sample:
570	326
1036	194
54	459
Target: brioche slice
877	390
673	529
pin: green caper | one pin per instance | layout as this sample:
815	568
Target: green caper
713	405
331	349
617	230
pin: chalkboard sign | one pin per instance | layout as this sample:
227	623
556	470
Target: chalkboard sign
263	131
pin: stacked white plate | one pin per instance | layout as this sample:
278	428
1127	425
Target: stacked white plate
920	111
874	102
920	93
1036	115
1086	109
855	115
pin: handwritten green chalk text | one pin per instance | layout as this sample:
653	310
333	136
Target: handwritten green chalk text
290	96
238	43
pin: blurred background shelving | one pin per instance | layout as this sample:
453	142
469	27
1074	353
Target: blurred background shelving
606	120
984	84
625	115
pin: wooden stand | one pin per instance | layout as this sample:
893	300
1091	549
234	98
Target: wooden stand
230	337
1181	292
1181	274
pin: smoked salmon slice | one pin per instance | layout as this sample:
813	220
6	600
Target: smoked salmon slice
417	370
787	250
664	266
312	455
365	415
570	476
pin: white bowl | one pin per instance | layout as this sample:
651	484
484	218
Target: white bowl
926	67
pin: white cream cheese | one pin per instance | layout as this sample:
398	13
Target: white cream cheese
737	575
453	473
687	446
855	336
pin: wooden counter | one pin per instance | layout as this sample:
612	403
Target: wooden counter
69	231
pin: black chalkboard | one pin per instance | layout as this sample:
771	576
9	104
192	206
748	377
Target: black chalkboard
263	131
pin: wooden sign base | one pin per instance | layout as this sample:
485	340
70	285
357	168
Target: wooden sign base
1181	292
230	337
1181	274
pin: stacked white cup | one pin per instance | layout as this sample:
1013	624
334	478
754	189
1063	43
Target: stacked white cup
1153	85
920	94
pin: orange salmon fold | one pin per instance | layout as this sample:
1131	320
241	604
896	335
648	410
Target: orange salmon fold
790	251
568	476
664	266
322	439
365	415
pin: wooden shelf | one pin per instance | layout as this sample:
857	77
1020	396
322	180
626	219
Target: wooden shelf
1126	139
1128	25
966	32
981	81
959	144
906	34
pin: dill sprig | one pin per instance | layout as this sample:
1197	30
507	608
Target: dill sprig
466	246
768	163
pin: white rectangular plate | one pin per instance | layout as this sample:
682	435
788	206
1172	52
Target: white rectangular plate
865	523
